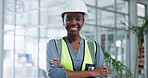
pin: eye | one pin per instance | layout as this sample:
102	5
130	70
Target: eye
68	19
79	19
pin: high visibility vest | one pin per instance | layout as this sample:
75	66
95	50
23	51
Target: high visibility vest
65	56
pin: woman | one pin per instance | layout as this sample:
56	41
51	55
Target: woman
72	56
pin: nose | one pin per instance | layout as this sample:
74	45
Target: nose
73	22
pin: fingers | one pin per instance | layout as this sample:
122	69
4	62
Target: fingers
104	71
104	68
53	62
101	71
56	61
107	74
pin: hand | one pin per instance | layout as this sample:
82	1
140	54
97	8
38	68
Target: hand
56	61
101	71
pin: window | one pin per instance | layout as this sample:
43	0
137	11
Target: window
107	4
106	18
141	13
141	10
32	24
122	6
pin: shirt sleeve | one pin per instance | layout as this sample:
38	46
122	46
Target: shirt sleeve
53	71
99	61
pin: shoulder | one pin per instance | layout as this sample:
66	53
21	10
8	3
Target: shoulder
92	41
50	41
95	45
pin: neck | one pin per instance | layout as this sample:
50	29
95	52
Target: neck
74	38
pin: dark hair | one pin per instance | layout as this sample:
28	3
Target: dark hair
64	14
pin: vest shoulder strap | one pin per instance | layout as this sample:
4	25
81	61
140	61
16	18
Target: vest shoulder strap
92	48
58	45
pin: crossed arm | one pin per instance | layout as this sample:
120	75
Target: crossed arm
101	71
54	71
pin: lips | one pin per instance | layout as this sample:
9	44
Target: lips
73	28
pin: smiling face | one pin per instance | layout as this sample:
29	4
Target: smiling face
73	22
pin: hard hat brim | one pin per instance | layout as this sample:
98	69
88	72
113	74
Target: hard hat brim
85	14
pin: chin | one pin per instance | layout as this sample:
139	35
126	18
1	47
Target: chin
73	33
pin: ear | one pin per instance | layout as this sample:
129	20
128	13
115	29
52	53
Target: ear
83	21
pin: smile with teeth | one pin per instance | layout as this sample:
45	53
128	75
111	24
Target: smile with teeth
73	28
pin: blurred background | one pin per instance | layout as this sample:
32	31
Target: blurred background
27	25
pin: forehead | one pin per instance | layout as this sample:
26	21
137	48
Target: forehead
74	14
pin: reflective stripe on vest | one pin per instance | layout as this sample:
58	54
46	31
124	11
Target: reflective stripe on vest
65	56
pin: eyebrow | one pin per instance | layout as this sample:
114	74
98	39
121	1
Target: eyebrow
79	16
68	16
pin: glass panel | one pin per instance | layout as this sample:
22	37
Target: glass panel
107	4
25	5
89	32
121	45
21	58
21	5
26	53
27	19
90	2
56	32
50	3
122	18
122	6
8	23
8	62
91	17
117	49
44	18
45	3
9	7
107	37
141	10
42	58
140	21
51	16
106	18
42	53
